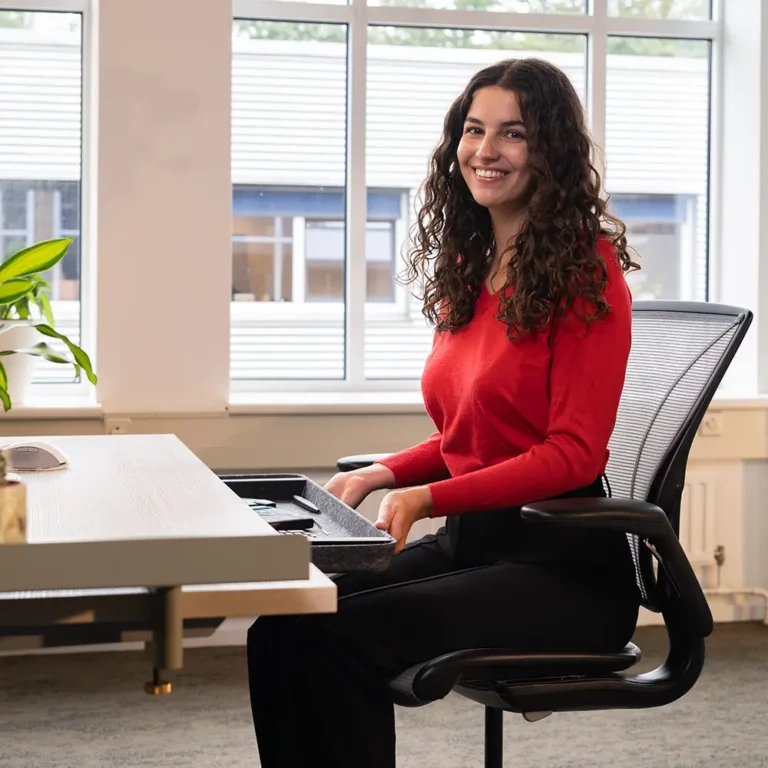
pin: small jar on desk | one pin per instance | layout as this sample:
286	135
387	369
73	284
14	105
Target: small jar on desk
13	506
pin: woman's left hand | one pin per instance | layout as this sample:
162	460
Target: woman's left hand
399	510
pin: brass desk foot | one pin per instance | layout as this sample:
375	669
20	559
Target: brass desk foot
157	686
166	648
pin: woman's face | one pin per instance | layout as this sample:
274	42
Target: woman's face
493	151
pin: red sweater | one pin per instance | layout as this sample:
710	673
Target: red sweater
519	421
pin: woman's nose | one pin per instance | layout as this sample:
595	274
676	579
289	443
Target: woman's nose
487	149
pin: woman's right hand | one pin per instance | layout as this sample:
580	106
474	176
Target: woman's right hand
352	487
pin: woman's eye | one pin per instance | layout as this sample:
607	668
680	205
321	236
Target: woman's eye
472	130
516	135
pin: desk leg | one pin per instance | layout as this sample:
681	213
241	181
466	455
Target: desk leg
167	641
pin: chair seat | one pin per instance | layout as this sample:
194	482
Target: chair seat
486	668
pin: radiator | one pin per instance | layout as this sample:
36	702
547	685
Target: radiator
698	517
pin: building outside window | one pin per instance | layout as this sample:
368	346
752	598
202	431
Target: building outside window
288	244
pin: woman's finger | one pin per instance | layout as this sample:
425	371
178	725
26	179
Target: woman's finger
386	515
399	531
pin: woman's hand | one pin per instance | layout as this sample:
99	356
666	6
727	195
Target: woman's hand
399	510
352	487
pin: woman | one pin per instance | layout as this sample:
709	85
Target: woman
524	281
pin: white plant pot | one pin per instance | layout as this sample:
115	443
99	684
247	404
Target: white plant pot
19	368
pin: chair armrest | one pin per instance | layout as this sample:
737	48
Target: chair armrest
647	521
350	463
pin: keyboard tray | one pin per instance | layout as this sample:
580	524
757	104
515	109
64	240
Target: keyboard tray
342	540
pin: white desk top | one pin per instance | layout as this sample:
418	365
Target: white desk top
143	511
131	486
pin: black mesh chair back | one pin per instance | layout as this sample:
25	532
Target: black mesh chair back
680	351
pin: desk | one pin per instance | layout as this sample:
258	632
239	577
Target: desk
137	535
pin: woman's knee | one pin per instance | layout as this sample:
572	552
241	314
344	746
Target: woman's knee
278	631
269	632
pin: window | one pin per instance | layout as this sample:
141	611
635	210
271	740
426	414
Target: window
657	160
661	9
40	153
288	244
15	229
324	260
331	140
515	6
261	258
288	166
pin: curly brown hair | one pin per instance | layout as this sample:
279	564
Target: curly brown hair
555	257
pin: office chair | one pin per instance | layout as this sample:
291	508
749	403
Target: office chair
680	353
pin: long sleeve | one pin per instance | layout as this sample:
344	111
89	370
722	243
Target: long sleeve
586	378
421	464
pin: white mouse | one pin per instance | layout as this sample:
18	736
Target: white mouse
34	456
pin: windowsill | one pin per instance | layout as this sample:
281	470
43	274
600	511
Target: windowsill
252	403
273	403
55	408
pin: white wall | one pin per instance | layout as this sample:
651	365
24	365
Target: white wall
163	202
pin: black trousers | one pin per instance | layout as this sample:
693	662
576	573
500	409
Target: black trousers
318	683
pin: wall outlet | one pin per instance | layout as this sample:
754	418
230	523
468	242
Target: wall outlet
117	426
712	424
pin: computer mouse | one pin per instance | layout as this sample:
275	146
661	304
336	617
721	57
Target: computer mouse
34	456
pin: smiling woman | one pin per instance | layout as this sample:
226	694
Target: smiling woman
493	157
534	223
512	191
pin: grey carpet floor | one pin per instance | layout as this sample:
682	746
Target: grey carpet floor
88	710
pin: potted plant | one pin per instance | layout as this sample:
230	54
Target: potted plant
25	315
13	507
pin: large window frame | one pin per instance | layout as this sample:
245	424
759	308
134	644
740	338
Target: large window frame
75	392
212	388
596	24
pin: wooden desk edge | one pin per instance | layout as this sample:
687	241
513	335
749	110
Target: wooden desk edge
315	595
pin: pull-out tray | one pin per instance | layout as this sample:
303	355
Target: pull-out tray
341	540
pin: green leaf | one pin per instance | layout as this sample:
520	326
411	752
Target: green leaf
37	258
12	290
40	350
45	309
22	308
81	358
40	285
5	398
32	302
